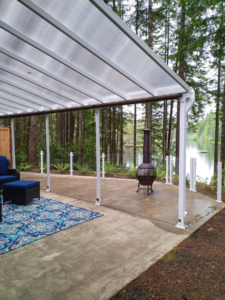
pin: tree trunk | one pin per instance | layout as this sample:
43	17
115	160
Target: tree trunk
77	129
114	136
149	114
135	131
106	133
72	124
62	130
110	134
149	105
25	129
28	138
57	127
51	128
150	23
79	136
222	155
17	130
67	126
33	154
121	137
217	122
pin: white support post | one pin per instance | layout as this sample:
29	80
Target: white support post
13	144
171	170
167	169
98	170
42	163
219	182
182	163
193	175
103	165
71	163
48	152
139	159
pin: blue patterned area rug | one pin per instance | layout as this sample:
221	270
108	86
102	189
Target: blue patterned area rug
22	225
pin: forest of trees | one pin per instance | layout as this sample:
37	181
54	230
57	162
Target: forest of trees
206	130
190	37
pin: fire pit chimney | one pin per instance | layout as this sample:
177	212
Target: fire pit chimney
146	172
146	146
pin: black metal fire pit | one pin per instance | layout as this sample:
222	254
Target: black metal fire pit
146	172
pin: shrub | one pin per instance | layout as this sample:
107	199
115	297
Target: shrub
24	166
61	167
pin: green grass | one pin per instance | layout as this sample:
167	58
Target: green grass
171	255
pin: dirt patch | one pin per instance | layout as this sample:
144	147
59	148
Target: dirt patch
193	270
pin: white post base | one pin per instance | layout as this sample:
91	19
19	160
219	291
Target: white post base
219	201
98	203
180	226
193	191
48	190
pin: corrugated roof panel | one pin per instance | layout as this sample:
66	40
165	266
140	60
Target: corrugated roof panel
63	54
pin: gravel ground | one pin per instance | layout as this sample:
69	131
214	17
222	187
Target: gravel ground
193	270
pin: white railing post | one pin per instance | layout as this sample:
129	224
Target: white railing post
71	163
182	163
42	164
13	145
167	169
47	152
98	157
171	170
219	182
193	175
103	165
139	159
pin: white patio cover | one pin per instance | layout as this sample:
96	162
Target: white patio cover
74	53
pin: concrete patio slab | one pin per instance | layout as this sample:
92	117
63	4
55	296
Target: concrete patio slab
97	258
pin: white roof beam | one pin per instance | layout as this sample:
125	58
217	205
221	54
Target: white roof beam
55	77
4	112
47	17
60	59
42	102
26	78
138	41
30	103
4	100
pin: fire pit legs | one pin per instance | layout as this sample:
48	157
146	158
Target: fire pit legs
149	188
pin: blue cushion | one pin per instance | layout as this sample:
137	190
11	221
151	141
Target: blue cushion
21	185
7	178
3	166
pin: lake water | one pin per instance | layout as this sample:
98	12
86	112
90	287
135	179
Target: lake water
205	161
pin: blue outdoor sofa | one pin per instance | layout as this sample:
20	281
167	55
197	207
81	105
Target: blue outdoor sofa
6	173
